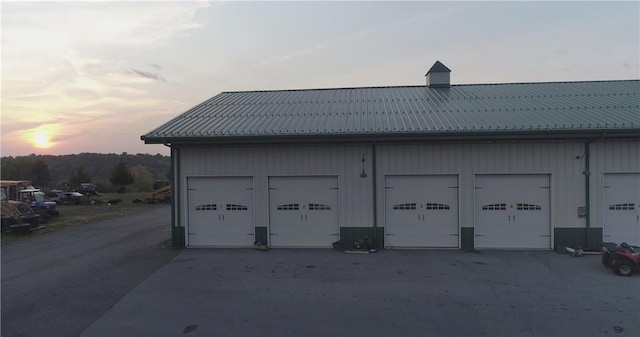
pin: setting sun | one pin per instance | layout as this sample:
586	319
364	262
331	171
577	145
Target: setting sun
42	137
41	140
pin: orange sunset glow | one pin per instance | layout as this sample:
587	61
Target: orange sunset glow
41	138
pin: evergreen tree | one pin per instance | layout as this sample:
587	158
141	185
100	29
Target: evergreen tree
98	166
143	179
121	177
8	168
78	176
40	173
32	168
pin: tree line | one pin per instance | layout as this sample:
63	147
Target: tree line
108	172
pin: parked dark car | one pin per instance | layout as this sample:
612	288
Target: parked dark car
87	189
67	198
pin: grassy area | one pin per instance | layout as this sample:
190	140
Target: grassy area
81	214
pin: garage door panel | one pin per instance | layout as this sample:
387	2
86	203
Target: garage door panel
512	211
621	208
303	211
421	211
220	211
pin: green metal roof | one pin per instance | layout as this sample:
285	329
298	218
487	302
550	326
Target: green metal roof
459	111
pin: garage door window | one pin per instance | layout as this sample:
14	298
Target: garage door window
405	207
437	206
494	207
622	207
288	207
528	207
235	207
319	207
207	207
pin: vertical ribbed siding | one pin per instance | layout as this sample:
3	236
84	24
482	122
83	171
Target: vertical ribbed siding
355	193
468	160
465	160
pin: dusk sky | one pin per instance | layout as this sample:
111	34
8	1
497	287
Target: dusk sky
95	76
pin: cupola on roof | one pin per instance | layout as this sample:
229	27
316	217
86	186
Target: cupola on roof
438	76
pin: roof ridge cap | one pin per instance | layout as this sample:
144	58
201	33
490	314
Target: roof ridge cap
421	86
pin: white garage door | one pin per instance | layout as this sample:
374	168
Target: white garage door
421	211
220	212
303	211
512	211
622	208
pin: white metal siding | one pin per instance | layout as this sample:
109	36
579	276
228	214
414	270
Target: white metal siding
555	159
563	162
260	162
438	78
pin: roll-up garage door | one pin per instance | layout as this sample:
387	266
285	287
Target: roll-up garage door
421	211
621	208
303	211
220	212
512	211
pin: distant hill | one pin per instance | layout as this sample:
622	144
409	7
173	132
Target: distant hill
98	166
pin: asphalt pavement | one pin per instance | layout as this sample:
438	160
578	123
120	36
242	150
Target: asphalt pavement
60	283
118	278
310	292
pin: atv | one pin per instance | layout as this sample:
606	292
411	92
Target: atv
624	263
608	248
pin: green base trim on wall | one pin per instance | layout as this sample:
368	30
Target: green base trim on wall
350	234
347	235
563	237
467	238
177	237
261	234
595	238
577	238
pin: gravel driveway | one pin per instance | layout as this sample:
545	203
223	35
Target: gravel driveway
58	284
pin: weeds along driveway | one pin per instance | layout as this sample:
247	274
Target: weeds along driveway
210	292
58	284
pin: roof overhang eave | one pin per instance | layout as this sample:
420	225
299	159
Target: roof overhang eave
582	134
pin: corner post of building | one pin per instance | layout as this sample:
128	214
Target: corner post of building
374	173
590	241
587	186
177	232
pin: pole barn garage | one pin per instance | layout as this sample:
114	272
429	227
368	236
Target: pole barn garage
482	166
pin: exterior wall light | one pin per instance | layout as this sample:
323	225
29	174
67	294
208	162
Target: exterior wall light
363	174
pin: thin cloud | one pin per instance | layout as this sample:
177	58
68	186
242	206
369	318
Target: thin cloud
72	63
430	17
147	74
